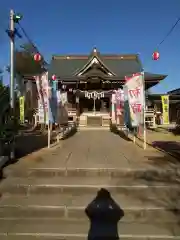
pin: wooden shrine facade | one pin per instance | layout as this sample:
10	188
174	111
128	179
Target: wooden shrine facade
98	71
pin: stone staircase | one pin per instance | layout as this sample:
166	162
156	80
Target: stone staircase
49	203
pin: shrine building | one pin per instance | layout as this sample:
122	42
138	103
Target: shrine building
96	75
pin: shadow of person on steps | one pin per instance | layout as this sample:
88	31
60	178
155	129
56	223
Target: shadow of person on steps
103	213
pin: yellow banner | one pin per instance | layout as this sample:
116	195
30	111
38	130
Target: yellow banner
165	108
21	107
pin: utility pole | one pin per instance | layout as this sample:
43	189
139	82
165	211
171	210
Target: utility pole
12	32
11	28
12	61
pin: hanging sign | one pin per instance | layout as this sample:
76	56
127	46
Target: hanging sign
165	108
21	107
94	95
64	98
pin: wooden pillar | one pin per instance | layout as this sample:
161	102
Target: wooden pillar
77	106
77	101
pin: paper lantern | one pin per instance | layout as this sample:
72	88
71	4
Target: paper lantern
37	57
53	77
155	56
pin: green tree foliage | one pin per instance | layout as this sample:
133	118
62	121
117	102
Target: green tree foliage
1	79
24	61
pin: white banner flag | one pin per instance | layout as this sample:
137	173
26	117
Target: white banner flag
134	91
43	95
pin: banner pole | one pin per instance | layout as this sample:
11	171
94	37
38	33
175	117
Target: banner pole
49	133
134	137
49	130
144	115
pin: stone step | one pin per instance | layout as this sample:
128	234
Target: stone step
160	205
80	185
133	214
93	128
86	181
31	236
151	174
62	228
75	200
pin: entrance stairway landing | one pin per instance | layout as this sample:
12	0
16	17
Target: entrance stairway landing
44	196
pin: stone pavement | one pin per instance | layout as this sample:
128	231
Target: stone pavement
44	195
94	149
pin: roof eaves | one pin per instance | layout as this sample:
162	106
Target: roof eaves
140	62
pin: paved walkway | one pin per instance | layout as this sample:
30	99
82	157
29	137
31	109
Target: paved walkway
96	149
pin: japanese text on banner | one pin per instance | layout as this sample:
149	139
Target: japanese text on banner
135	97
165	109
21	107
44	93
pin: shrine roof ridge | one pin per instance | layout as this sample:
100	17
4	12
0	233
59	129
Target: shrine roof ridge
86	56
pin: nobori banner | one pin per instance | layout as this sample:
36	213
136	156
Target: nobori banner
134	96
44	92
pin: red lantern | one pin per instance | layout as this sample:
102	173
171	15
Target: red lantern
37	57
53	77
155	56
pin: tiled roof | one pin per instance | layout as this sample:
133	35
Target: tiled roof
158	97
174	91
65	67
120	65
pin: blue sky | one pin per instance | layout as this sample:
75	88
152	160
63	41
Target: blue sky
116	26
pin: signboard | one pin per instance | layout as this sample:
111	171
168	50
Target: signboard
165	108
63	98
21	107
42	112
135	97
58	95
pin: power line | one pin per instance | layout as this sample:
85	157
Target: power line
31	42
163	40
169	32
28	38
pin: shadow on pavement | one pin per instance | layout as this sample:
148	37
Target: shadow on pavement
159	130
175	130
35	140
26	144
29	143
104	214
170	147
165	174
71	131
121	133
